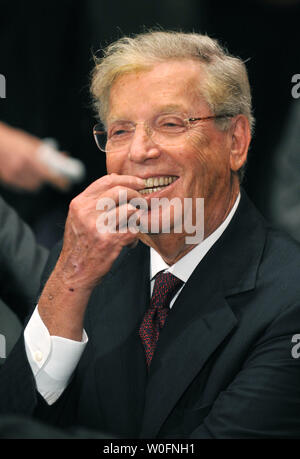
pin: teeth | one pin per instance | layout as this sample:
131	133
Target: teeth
151	190
158	181
153	184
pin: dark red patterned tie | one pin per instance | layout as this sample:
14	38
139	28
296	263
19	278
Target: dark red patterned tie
165	287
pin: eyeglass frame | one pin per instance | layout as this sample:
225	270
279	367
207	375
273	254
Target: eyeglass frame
189	120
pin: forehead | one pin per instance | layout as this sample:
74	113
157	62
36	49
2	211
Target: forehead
172	84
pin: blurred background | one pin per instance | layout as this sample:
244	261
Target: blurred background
46	57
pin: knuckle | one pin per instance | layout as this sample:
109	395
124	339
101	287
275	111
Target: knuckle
107	181
75	205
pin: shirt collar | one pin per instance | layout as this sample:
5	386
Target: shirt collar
184	267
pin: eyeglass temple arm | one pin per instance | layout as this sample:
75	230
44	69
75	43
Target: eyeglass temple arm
203	118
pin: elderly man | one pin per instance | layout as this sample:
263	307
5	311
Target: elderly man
180	339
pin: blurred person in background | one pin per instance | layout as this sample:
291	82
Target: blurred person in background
22	261
284	192
20	165
40	57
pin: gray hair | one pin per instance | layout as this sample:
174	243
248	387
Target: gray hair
226	90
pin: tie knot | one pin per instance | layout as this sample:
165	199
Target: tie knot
165	287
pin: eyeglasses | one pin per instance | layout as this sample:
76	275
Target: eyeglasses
167	130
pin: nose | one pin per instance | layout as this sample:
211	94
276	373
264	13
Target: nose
142	146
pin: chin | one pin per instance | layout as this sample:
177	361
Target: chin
163	223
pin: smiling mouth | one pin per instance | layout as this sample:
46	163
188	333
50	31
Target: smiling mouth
153	184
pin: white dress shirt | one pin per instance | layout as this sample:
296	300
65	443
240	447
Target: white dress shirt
53	359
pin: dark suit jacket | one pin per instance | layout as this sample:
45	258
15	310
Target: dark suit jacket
22	262
21	267
223	365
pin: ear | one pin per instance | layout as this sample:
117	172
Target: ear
240	138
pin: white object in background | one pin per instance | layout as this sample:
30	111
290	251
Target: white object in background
71	168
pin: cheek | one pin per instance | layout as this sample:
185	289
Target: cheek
206	168
199	140
210	155
201	149
198	157
114	164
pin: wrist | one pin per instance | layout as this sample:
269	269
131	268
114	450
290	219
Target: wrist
75	275
62	308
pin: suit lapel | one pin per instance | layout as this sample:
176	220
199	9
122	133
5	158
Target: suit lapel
197	324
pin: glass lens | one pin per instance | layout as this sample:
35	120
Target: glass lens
169	124
100	137
119	134
167	129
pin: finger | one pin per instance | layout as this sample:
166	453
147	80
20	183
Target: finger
58	181
26	180
117	196
20	185
107	182
42	173
116	220
127	219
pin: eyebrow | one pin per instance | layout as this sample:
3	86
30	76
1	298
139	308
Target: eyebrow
159	109
170	108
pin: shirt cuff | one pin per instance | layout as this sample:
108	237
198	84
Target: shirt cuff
53	359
